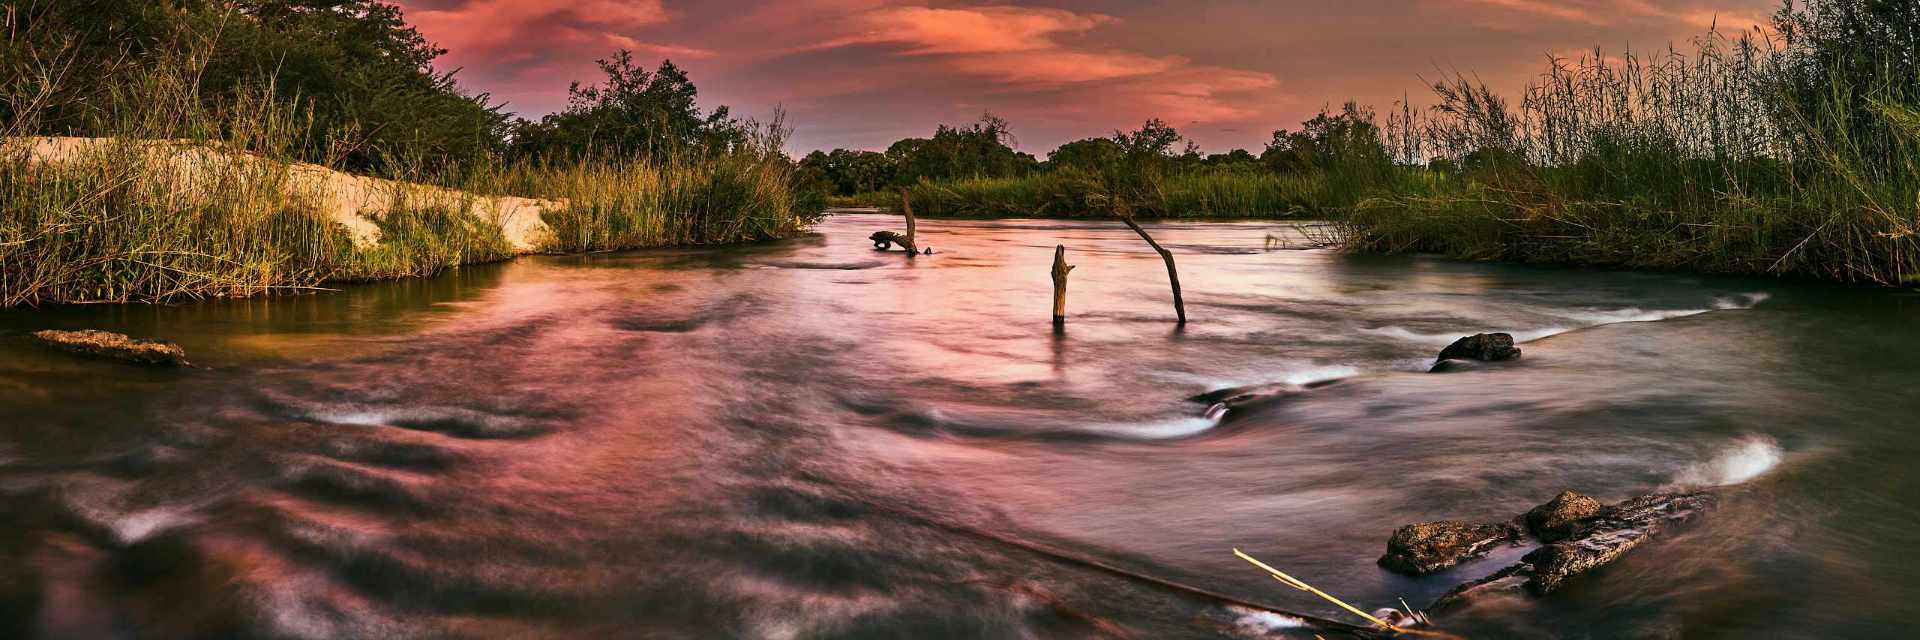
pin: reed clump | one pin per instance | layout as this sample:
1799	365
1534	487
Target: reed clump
609	206
1792	152
1076	193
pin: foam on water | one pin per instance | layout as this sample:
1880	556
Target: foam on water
1584	317
1444	339
1162	429
1740	461
137	526
1262	623
1741	300
1301	374
1630	314
1320	374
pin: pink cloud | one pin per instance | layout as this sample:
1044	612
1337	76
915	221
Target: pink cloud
527	51
993	29
1024	50
495	27
865	72
1571	11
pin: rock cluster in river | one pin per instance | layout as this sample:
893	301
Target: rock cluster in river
1556	519
1427	547
115	346
1482	347
1577	533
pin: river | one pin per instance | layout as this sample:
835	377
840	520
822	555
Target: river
808	438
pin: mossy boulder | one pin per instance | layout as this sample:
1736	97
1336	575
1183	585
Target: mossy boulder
115	346
1557	519
1428	547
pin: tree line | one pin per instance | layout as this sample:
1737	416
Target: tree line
366	81
984	149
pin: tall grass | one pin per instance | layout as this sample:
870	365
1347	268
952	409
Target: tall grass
1712	160
740	197
194	199
1074	193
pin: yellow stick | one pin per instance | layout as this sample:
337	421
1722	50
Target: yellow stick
1297	584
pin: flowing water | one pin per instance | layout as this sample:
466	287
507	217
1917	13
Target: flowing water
811	439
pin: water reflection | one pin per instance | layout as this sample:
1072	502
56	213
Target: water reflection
812	439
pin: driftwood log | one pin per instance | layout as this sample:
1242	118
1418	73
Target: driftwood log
884	240
1060	271
1173	274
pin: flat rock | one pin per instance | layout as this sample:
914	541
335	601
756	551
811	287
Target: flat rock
1428	547
1590	543
115	346
1603	538
1555	519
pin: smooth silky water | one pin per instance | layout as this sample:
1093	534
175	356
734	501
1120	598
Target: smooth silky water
809	439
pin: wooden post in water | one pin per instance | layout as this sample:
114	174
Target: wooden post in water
1060	270
1173	275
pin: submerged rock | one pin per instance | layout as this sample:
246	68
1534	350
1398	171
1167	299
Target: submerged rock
1594	542
115	346
1485	347
1555	519
1585	543
1427	547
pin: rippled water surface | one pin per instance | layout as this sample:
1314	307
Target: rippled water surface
811	439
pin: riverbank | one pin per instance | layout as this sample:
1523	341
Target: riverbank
88	220
1788	150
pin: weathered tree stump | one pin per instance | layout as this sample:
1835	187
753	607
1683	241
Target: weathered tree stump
1060	271
884	240
906	208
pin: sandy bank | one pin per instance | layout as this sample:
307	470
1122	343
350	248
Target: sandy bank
353	201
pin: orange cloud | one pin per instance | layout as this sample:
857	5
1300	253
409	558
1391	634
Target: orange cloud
1023	47
494	26
862	73
1012	44
1563	10
975	30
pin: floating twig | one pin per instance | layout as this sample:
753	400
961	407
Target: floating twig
1297	584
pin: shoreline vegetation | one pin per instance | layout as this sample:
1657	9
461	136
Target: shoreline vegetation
1790	150
148	155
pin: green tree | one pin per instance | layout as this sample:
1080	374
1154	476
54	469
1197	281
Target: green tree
365	74
982	150
1349	138
636	113
1091	154
848	172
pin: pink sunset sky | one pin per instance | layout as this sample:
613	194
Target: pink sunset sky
863	73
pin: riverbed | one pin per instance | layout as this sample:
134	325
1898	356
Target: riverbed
810	438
